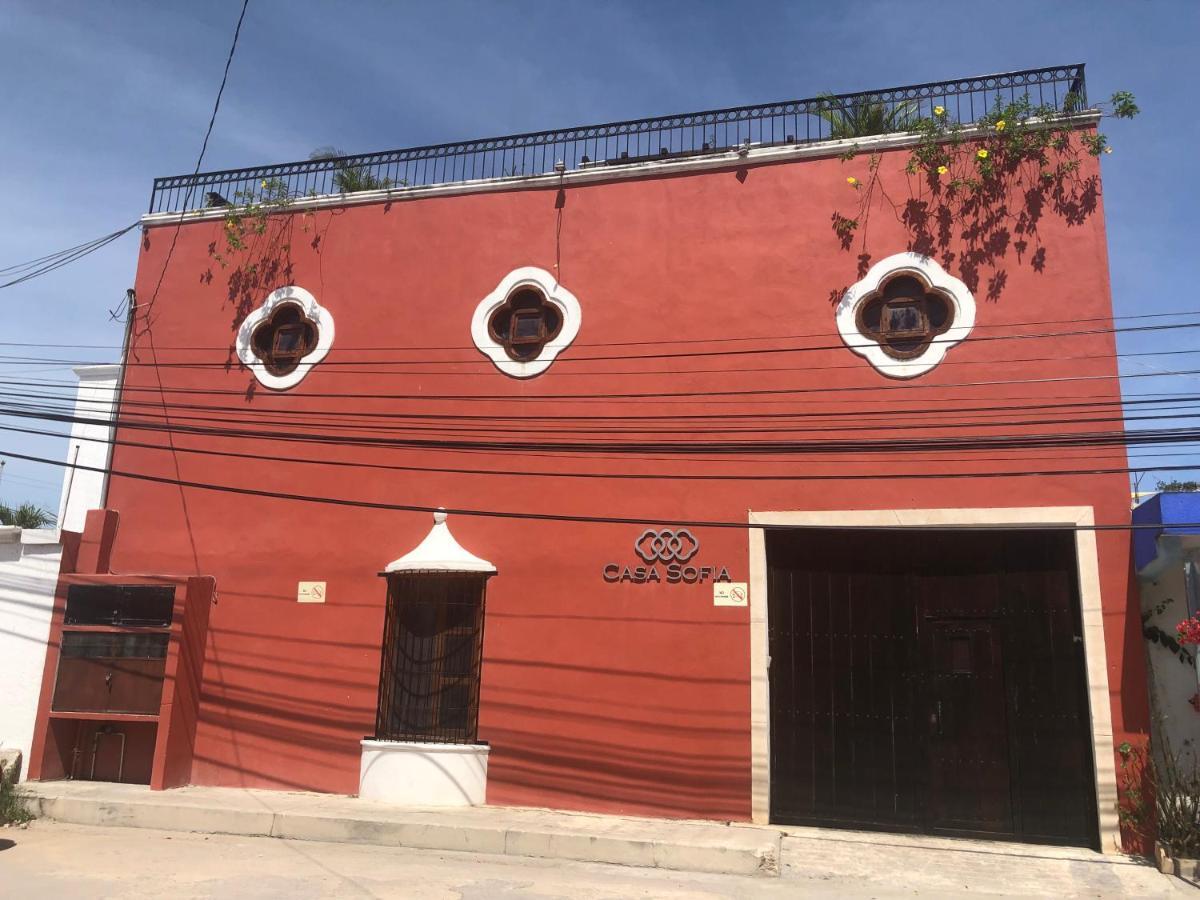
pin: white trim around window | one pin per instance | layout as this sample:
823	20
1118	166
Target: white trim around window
962	312
314	311
555	293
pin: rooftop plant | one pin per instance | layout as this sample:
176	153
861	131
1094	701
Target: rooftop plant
347	178
865	116
26	516
988	182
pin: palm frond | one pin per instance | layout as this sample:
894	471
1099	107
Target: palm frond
864	116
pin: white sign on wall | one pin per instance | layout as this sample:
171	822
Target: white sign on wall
310	592
730	593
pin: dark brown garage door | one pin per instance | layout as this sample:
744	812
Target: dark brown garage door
930	681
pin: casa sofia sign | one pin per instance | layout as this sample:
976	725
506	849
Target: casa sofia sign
666	553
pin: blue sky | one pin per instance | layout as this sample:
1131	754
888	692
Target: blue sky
100	97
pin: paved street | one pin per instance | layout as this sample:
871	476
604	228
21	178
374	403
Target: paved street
53	860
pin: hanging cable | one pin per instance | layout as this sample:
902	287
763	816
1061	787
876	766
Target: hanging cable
550	517
27	271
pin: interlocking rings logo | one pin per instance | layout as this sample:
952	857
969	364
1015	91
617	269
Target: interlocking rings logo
672	548
666	545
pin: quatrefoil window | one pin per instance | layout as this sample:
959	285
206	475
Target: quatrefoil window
284	338
525	323
904	316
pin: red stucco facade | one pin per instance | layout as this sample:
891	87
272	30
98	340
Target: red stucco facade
595	696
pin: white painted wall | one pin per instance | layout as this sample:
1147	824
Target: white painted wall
1172	683
29	561
83	489
28	572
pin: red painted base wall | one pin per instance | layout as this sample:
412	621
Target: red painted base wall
596	696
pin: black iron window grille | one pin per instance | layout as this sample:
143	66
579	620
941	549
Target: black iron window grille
432	652
791	123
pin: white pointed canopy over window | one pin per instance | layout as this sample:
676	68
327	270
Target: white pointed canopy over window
440	552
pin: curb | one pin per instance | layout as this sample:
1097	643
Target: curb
680	846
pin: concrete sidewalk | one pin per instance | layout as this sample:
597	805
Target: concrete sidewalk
547	834
885	861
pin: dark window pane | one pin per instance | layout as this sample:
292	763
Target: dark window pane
903	318
119	604
460	612
527	326
76	645
455	705
283	339
937	310
905	345
871	316
904	287
289	339
525	323
419	619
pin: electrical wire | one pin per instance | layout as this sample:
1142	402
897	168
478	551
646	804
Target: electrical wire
700	419
31	269
619	476
702	395
627	357
550	517
192	182
634	343
506	426
1112	438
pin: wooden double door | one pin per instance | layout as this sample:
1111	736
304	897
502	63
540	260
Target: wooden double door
930	681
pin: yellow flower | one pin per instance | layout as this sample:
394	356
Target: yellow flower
942	170
982	154
1000	125
939	110
852	181
264	184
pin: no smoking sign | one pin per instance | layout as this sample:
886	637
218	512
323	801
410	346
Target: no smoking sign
730	593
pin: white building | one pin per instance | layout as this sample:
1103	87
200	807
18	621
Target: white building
1167	557
29	560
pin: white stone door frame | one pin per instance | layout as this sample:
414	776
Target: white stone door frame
1034	517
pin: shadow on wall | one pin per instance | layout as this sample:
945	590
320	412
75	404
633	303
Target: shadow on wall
973	226
627	748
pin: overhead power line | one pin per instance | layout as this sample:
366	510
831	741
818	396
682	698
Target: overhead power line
22	272
618	476
885	396
547	517
26	271
192	182
702	395
949	416
1117	438
483	368
629	357
887	421
979	326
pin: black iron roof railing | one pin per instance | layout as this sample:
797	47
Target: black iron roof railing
793	122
